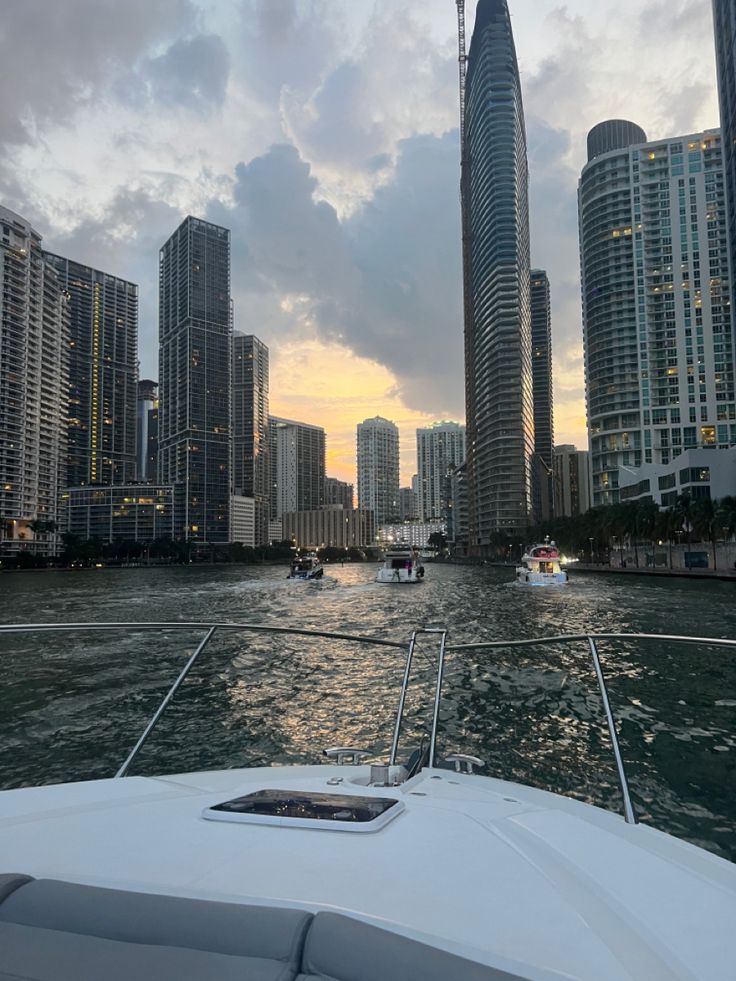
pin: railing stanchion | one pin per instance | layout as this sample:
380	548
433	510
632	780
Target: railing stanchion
437	698
629	812
162	707
402	697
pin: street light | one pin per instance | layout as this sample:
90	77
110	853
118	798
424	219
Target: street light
591	540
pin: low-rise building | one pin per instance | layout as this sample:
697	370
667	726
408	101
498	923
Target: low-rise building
416	533
122	513
694	473
335	526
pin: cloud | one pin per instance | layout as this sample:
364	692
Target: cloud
58	57
385	281
191	74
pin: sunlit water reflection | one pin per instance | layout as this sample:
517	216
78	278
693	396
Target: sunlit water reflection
72	705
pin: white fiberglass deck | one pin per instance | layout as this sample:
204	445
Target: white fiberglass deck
505	875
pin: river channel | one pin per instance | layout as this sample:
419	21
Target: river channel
72	705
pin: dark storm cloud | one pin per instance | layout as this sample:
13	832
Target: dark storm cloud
57	56
192	74
385	281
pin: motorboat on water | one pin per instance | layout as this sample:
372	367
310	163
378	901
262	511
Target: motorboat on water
402	564
409	867
540	566
306	567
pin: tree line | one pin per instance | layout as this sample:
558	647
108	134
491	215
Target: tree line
640	523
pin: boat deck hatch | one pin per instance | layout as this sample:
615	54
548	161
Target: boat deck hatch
308	809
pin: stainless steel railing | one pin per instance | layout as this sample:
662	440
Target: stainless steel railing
591	640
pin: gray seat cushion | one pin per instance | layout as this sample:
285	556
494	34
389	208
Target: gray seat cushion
60	931
339	948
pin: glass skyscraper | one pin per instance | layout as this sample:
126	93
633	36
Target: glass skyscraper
544	431
498	374
657	332
195	336
724	22
251	470
103	374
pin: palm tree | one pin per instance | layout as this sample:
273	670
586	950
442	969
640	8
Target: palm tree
705	521
684	510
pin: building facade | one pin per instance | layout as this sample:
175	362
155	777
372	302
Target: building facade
34	382
658	337
440	451
297	460
724	23
251	470
147	431
243	520
408	504
544	429
695	474
103	374
498	349
572	481
415	533
335	526
122	513
195	440
378	468
338	492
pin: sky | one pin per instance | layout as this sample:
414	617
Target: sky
323	133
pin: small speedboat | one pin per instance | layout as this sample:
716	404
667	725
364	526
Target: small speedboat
540	566
402	565
306	567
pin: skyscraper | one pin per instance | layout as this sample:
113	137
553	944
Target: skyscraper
103	374
544	430
34	380
147	431
408	505
251	471
572	476
656	302
297	462
338	492
498	375
195	444
724	22
440	451
378	469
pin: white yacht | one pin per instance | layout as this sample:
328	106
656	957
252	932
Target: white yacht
402	565
412	867
540	566
306	567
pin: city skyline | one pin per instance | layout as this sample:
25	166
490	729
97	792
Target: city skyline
349	178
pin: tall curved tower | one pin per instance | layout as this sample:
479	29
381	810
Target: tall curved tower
498	376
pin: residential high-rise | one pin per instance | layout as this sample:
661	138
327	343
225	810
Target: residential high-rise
656	303
338	492
297	462
544	430
378	469
251	471
147	431
572	477
440	451
195	442
103	374
34	379
498	373
724	22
